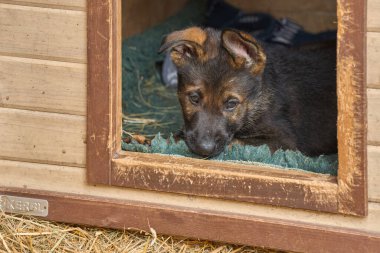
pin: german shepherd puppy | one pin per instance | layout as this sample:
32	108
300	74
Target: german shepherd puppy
229	88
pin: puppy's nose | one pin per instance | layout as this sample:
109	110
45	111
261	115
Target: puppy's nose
206	147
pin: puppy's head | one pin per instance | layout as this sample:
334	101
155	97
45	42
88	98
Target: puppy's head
219	74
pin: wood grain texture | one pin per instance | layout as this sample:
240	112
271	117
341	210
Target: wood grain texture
139	15
43	85
58	4
374	173
103	89
43	33
352	189
72	180
373	20
352	107
117	75
226	180
203	224
315	16
373	116
373	60
42	137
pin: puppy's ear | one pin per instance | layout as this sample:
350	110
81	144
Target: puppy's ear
185	44
244	50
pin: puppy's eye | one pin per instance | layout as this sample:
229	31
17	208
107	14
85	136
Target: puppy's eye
194	98
231	104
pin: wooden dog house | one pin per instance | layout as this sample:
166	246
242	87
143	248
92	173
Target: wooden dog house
60	134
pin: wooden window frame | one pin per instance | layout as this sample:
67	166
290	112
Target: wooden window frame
107	164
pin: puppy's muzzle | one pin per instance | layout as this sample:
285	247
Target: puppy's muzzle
206	145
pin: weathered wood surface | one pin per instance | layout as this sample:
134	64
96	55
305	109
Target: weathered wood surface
42	137
103	93
352	107
43	85
373	59
226	181
117	66
44	33
352	177
374	173
373	17
58	4
373	116
69	180
373	53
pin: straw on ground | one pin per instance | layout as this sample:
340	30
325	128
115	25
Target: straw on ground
28	234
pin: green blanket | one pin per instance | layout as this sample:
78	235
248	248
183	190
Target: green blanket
150	108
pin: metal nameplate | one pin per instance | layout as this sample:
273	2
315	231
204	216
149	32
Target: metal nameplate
27	206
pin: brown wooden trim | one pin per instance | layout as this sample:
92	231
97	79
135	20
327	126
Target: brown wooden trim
118	76
103	88
352	107
202	224
226	180
198	177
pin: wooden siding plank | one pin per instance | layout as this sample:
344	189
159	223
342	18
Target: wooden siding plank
43	33
374	173
71	180
373	18
59	4
373	96
42	137
43	85
373	60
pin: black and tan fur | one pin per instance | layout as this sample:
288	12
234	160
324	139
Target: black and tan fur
230	87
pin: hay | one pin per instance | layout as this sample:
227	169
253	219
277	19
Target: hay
29	234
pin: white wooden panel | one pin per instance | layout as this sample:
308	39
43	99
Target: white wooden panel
42	137
373	60
373	17
43	85
73	180
374	173
43	33
64	4
373	96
